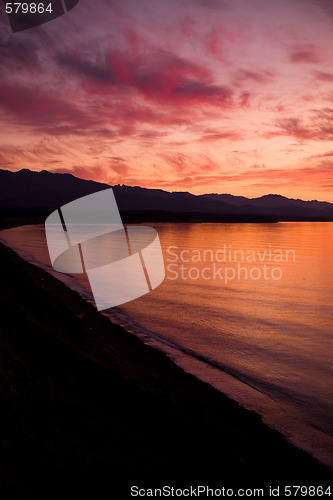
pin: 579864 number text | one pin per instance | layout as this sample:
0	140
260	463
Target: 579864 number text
28	8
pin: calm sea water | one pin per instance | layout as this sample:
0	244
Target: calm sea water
245	307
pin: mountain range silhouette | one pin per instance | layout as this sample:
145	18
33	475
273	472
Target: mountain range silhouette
42	192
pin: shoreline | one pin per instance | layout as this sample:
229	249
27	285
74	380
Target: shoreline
115	410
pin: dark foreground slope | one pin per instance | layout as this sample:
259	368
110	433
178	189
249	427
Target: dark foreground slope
88	408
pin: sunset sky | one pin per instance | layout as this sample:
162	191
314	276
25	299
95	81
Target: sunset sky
205	96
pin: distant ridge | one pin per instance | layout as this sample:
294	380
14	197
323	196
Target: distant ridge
42	192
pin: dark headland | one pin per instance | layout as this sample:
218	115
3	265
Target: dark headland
87	408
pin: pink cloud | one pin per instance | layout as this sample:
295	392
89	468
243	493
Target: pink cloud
159	76
318	128
40	109
304	53
323	76
212	135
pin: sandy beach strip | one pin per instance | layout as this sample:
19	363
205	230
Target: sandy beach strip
86	407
